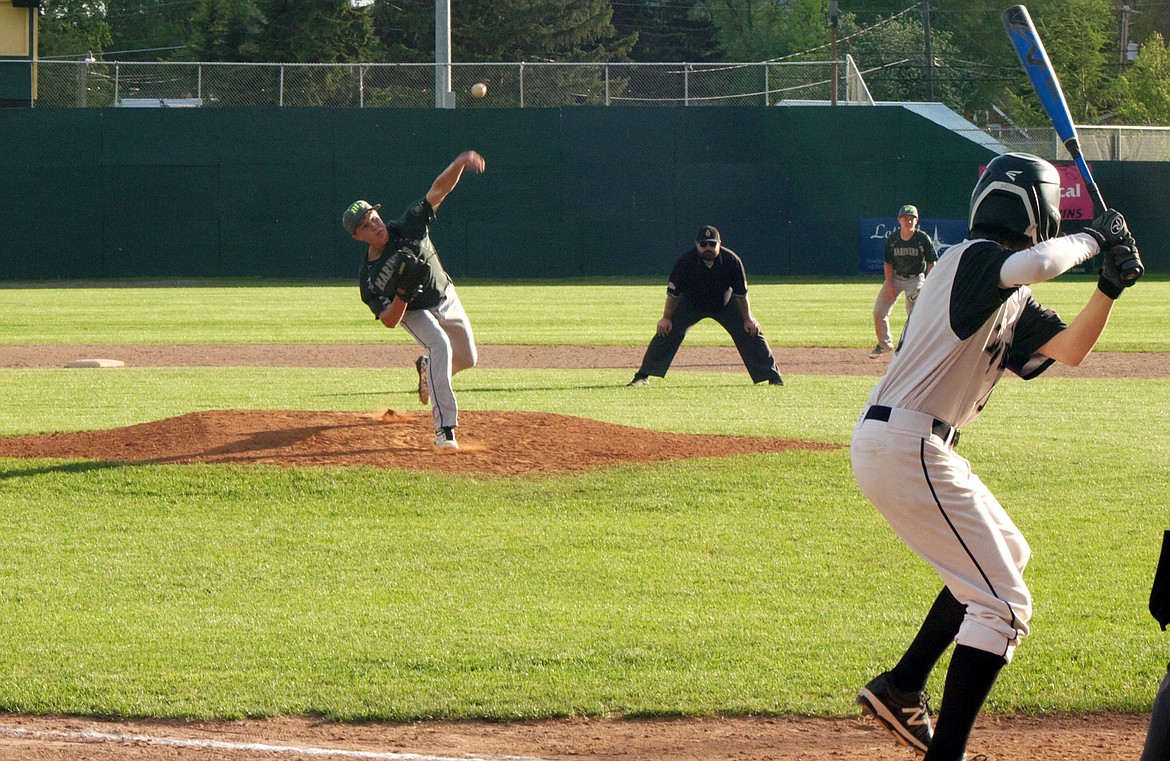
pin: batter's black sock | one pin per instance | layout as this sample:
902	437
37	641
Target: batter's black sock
935	635
969	680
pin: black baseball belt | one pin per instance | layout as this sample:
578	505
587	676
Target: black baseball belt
948	433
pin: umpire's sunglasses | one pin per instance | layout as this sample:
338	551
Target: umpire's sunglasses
707	243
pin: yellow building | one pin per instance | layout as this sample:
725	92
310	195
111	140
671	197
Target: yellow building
18	52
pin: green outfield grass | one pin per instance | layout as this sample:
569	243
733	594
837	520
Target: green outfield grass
760	584
819	312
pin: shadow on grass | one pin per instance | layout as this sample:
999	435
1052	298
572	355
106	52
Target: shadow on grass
67	466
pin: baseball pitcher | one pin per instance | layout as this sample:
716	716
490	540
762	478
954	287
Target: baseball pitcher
402	282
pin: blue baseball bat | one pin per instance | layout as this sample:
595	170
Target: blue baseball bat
1030	48
1038	66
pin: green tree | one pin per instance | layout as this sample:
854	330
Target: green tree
749	30
1080	37
891	55
1152	16
504	30
1145	86
667	31
152	30
226	30
315	31
69	28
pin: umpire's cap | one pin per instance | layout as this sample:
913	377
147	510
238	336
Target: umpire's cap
707	232
354	215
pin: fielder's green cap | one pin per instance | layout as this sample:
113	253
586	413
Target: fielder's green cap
356	212
908	210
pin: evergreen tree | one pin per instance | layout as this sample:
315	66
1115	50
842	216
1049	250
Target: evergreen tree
749	30
226	30
149	30
315	31
505	30
667	31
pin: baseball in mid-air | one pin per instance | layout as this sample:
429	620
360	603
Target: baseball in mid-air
479	89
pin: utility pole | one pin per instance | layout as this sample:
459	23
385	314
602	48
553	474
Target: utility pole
834	19
1123	59
444	98
929	53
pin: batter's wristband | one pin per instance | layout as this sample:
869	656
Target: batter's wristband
1110	289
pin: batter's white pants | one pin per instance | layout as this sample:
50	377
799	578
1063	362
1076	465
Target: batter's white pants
932	500
883	305
445	333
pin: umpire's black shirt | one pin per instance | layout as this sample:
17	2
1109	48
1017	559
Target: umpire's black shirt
707	288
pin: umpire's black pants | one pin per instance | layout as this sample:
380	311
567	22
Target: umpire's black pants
753	350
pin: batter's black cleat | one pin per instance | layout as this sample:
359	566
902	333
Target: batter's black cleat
639	380
424	389
777	382
905	715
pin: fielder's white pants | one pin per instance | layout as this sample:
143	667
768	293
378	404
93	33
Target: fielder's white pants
883	304
932	500
445	333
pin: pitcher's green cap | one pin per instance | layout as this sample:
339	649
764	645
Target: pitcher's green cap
356	212
908	210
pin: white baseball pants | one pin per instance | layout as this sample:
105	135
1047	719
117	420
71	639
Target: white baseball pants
932	500
444	332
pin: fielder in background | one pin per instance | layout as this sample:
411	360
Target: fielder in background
975	318
910	255
402	281
708	280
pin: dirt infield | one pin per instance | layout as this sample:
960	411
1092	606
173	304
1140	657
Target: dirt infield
804	361
1015	738
505	444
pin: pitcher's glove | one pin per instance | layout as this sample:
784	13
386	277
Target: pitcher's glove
1121	266
410	274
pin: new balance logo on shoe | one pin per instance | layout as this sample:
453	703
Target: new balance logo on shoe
905	715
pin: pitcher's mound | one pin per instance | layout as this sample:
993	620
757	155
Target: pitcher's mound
505	443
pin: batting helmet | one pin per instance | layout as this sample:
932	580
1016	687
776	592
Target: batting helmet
1021	193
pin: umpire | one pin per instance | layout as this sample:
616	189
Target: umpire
708	280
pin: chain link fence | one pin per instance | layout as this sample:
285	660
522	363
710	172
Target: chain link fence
102	84
1097	143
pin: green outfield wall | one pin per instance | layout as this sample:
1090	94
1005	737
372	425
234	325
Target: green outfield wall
114	193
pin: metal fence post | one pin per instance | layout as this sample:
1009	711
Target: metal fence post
280	91
767	85
199	81
117	81
607	83
521	84
686	84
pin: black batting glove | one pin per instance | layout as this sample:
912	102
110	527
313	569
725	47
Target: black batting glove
1121	266
1109	230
